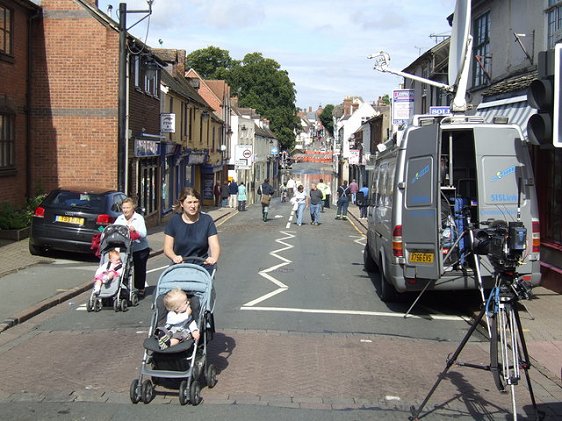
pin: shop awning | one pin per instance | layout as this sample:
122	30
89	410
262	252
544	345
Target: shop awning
516	109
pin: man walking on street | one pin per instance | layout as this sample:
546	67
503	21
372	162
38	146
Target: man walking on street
343	201
291	187
363	200
233	193
315	204
325	189
353	188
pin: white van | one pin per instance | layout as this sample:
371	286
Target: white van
428	185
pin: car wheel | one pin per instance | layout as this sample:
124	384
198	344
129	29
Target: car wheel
36	251
387	292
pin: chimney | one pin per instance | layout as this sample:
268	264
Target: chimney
180	62
347	106
234	101
309	109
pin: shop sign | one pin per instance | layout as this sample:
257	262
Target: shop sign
145	147
197	158
402	106
167	122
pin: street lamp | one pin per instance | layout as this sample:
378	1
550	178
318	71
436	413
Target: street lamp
122	99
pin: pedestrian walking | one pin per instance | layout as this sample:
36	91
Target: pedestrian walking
325	189
265	191
301	201
217	194
291	187
315	204
363	200
353	188
139	245
343	194
224	195
242	197
233	193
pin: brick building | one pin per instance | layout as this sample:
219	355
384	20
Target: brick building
15	22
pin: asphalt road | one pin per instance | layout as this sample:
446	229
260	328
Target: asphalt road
301	334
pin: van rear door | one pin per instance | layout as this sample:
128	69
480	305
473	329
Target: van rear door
420	219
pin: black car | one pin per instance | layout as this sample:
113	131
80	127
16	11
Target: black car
68	218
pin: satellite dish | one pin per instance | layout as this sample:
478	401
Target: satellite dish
459	39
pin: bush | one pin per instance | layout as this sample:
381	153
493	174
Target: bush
12	218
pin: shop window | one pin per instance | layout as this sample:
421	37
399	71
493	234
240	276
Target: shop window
148	181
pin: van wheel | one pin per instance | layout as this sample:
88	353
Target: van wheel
368	262
387	292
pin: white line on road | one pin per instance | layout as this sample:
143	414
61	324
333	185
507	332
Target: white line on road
352	313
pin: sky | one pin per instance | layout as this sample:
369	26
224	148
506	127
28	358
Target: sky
322	44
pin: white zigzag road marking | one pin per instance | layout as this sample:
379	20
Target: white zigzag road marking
266	275
359	239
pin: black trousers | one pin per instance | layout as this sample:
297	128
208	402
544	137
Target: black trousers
139	261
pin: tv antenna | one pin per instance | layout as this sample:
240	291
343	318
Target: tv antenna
459	59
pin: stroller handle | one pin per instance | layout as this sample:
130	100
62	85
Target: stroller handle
193	258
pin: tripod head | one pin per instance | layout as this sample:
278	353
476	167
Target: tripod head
503	243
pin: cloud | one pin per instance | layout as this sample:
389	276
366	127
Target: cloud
323	44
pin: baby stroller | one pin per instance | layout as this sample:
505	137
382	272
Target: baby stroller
185	362
118	292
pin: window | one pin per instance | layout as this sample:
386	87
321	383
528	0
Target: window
554	19
482	64
151	80
7	142
5	30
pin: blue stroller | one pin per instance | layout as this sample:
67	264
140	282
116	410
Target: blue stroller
186	362
119	292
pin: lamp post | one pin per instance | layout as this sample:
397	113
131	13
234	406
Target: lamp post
122	98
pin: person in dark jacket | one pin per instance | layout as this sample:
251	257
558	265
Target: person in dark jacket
266	191
233	192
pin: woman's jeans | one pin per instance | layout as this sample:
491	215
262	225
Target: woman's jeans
300	212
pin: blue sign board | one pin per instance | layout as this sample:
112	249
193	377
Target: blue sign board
440	110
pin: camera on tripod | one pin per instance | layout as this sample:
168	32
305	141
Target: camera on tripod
503	243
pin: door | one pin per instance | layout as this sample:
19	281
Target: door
420	219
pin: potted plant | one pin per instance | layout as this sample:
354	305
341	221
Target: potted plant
15	223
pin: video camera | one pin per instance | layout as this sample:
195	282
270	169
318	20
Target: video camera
503	243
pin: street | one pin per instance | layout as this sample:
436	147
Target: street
301	334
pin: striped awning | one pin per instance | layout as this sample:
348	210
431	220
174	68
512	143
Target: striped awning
516	109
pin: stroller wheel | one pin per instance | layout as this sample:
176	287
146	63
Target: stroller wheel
98	304
116	303
183	393
134	391
195	393
124	305
147	391
134	299
211	376
90	304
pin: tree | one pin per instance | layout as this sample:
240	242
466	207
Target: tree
210	62
326	117
260	84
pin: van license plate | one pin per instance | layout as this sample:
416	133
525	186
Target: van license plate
69	219
419	257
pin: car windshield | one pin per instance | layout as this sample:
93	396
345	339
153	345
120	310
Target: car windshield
72	200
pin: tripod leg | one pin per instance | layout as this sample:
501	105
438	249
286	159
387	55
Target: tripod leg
418	297
526	363
450	361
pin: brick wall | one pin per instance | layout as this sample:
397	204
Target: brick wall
74	98
13	94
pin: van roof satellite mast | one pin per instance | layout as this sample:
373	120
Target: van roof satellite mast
459	59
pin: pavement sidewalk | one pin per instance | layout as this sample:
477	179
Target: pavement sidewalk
540	316
16	256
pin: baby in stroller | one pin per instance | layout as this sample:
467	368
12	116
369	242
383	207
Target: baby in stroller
180	324
107	272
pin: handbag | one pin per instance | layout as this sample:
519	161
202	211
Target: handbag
265	199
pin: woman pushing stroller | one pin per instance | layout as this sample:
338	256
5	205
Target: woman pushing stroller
191	232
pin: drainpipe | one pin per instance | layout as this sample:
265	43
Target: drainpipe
28	143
